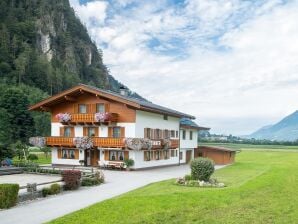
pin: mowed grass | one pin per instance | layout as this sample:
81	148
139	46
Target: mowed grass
42	159
262	188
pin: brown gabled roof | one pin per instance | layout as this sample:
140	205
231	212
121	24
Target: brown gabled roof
130	101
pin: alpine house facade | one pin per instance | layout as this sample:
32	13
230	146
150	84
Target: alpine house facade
95	127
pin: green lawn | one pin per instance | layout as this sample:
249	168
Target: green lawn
262	188
42	159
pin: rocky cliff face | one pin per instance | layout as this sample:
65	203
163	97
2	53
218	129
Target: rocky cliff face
43	44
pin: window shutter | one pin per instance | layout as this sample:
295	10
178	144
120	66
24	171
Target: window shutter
85	131
122	132
77	151
126	154
96	132
107	107
59	153
106	155
75	108
110	132
92	108
61	131
72	132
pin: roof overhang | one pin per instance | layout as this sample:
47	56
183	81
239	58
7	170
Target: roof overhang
199	128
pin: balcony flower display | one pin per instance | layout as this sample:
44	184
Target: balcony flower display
166	143
38	141
63	117
102	117
138	143
83	142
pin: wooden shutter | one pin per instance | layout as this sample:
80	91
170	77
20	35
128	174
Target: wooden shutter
126	154
75	108
107	107
107	155
59	153
122	132
85	131
96	132
92	108
61	131
72	132
77	151
110	132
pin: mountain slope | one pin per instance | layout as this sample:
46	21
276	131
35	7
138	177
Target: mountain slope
43	44
284	130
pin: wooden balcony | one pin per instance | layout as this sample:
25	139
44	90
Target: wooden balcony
90	118
105	142
97	142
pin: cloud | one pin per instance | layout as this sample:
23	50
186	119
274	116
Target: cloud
227	62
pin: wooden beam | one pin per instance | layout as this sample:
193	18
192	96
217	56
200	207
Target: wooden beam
68	98
45	108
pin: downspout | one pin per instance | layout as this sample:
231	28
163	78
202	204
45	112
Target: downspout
179	144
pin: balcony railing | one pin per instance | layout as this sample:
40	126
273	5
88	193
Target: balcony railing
106	142
90	118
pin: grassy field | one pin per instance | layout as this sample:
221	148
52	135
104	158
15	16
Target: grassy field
41	158
262	188
253	147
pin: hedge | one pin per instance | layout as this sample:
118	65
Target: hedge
8	195
72	179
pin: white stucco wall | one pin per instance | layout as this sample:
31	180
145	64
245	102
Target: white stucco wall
187	143
130	129
55	129
152	120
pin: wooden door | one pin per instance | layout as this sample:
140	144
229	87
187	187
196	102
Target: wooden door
188	156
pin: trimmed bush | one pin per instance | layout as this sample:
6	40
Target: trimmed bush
55	188
71	179
8	195
32	157
88	181
188	177
202	169
45	191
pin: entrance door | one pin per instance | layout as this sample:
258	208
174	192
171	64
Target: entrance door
188	156
88	156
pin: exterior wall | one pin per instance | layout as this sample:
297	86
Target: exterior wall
220	157
151	120
187	143
183	151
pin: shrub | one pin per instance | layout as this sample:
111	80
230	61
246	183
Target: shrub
8	195
202	168
32	157
99	176
188	177
71	179
45	191
129	162
55	189
88	181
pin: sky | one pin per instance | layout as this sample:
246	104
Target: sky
231	63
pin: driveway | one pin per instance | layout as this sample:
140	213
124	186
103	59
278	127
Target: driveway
117	183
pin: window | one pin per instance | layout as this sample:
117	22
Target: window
165	117
91	132
100	107
82	109
68	154
200	154
166	154
183	134
116	155
146	155
190	135
67	132
172	134
174	153
116	132
177	134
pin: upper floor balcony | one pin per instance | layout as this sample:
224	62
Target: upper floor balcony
92	118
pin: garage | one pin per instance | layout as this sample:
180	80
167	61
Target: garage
220	155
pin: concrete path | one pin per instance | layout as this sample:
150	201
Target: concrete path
117	183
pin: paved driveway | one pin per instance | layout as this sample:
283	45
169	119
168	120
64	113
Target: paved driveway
117	183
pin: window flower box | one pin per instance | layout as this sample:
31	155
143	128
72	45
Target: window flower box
38	141
102	117
63	117
83	142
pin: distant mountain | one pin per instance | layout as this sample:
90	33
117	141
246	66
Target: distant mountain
284	130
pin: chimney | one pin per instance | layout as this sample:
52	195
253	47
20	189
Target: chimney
123	91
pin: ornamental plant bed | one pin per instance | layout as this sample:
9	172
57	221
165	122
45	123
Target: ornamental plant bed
72	179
